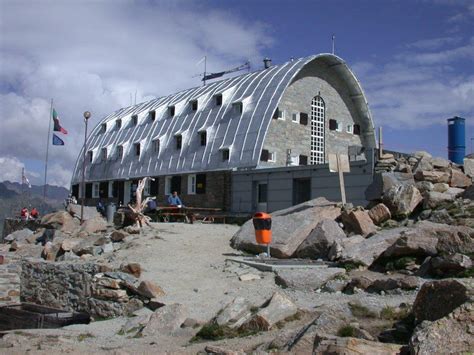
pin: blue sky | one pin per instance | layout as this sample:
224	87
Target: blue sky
414	60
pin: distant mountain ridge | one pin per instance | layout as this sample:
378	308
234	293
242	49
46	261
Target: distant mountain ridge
53	192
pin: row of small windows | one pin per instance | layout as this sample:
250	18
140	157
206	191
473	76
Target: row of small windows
156	148
297	117
237	107
334	125
268	156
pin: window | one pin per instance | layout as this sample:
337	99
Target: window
118	123
90	156
318	112
272	157
179	141
357	129
154	186
262	193
303	118
192	184
152	115
200	184
156	146
95	190
218	99
146	188
171	111
120	151
350	128
225	155
88	190
103	128
333	125
194	105
110	193
303	160
168	185
137	149
103	154
264	155
134	120
279	114
295	117
203	136
237	107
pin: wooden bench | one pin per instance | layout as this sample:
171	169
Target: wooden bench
168	216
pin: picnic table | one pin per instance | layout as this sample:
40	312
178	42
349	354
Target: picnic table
188	214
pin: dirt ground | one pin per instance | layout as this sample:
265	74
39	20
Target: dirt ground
189	263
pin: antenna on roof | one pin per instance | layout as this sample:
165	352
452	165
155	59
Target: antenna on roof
333	43
208	76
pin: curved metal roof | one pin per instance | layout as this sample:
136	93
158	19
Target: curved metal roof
242	133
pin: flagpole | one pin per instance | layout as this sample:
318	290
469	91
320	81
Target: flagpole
47	151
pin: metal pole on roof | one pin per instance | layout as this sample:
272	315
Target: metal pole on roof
333	44
205	69
47	151
87	115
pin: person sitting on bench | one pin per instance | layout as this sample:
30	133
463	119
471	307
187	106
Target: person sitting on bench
151	206
174	200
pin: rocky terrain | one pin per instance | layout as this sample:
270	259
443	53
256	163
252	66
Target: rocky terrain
394	277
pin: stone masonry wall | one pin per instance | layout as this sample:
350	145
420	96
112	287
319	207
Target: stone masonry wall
315	79
10	281
70	286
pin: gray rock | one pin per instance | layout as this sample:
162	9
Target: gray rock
359	222
135	324
434	199
454	191
290	227
93	225
411	243
452	334
165	320
436	299
422	154
432	176
330	344
424	164
307	279
469	167
235	313
402	200
385	181
440	163
363	251
122	276
445	265
89	212
19	236
380	213
424	186
441	216
107	248
335	285
458	179
278	309
320	240
440	187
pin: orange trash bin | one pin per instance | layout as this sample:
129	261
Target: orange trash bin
262	223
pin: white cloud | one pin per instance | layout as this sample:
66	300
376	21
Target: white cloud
10	169
434	43
95	55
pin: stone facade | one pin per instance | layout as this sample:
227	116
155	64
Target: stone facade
315	79
73	286
9	280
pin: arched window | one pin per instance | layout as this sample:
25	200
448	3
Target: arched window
317	130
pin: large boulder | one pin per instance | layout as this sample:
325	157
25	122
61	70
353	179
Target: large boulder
94	225
424	164
61	220
402	200
20	236
452	334
385	181
89	212
235	313
361	251
458	179
433	199
359	222
445	265
320	240
432	176
440	163
436	299
290	227
307	279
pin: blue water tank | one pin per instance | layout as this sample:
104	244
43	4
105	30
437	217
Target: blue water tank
456	139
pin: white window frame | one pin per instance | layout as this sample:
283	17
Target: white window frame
238	107
95	190
168	185
350	129
295	117
281	115
272	157
339	126
192	184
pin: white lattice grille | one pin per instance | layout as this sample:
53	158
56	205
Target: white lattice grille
317	131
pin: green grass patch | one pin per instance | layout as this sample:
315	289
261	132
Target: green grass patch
349	266
400	263
392	313
360	311
84	336
466	273
213	331
346	331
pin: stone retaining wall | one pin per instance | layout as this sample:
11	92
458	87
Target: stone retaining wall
11	225
10	281
73	286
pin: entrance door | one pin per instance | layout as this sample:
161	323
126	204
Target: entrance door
176	184
301	190
126	192
261	196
